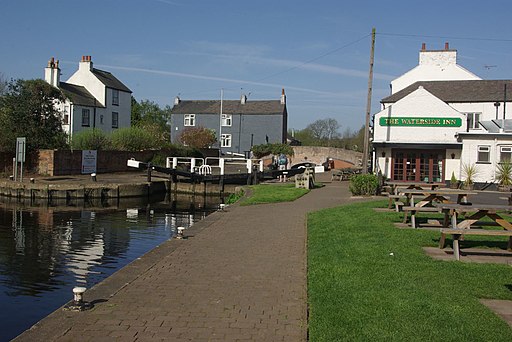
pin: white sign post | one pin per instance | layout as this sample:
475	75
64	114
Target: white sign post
21	145
89	161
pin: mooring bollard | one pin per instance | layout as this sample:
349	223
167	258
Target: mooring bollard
78	295
93	177
222	207
11	178
180	233
32	180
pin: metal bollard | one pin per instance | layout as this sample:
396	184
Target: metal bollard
180	236
93	177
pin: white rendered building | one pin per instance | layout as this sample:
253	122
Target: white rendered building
94	98
430	129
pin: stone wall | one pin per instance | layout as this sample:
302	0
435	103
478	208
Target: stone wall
319	155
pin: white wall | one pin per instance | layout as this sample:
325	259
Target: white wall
418	104
84	77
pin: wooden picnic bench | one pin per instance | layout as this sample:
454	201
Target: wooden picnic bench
414	210
397	200
458	233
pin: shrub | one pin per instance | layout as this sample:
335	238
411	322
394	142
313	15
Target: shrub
364	185
133	139
504	173
91	139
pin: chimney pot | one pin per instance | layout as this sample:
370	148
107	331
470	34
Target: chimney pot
446	46
423	46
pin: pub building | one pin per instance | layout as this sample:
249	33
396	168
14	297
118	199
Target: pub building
439	118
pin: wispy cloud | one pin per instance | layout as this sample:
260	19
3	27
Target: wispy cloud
168	2
214	78
255	54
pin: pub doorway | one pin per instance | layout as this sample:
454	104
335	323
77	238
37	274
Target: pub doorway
418	166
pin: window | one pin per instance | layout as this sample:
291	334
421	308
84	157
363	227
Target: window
86	117
505	154
190	120
473	120
226	120
115	97
115	119
484	153
225	140
65	116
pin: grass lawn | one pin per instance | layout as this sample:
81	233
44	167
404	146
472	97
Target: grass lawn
267	193
357	291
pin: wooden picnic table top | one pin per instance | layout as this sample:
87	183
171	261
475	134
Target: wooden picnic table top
474	207
440	191
423	184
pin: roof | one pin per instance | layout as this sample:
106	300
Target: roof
78	95
273	107
494	126
459	91
110	80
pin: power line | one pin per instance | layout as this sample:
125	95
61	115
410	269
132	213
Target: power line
296	66
444	37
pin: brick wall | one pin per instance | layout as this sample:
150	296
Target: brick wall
68	162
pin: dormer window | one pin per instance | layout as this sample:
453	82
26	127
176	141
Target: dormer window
473	120
115	97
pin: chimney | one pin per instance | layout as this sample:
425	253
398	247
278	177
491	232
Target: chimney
243	99
283	97
177	100
52	73
85	63
446	46
423	46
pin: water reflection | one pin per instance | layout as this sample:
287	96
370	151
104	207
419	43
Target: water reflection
48	248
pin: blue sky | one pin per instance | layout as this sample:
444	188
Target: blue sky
317	50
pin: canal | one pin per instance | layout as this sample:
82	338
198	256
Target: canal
47	250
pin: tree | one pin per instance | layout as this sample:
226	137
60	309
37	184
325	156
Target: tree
3	84
27	110
197	137
324	129
148	115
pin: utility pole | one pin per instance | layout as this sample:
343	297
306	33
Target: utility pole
366	145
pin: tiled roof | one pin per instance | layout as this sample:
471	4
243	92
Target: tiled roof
494	126
459	91
78	95
229	107
110	80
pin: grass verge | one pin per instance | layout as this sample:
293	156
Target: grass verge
266	193
358	291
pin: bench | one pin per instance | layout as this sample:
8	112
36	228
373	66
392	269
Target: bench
395	199
457	233
415	210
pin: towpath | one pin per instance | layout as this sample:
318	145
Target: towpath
240	276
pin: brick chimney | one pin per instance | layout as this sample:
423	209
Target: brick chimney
283	97
243	99
85	63
52	73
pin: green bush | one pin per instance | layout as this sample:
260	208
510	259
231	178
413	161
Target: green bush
364	185
133	139
91	139
261	151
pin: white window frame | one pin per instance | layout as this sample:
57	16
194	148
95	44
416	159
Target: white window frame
226	120
115	120
505	150
474	120
481	150
225	140
115	97
189	120
86	117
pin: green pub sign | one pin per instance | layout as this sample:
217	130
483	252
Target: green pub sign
421	122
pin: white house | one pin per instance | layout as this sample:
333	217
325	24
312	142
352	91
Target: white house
94	98
430	129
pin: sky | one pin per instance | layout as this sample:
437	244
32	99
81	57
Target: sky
318	51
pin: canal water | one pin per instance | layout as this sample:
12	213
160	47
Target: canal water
46	250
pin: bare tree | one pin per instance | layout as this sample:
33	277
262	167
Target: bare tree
324	129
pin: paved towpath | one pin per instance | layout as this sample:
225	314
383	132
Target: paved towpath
241	275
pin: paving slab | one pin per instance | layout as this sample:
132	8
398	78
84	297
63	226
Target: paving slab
240	275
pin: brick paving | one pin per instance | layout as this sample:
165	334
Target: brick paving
239	276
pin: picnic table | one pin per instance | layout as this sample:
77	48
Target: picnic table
464	227
427	199
412	185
